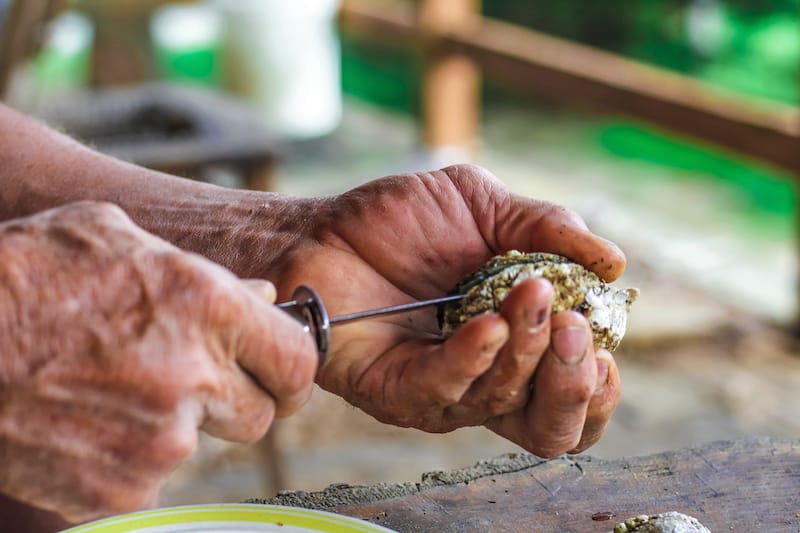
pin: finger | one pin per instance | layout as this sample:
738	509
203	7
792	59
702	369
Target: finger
278	353
263	288
505	386
603	402
510	221
527	224
241	411
553	420
564	384
562	231
444	378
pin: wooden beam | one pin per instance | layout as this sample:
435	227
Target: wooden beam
535	64
393	23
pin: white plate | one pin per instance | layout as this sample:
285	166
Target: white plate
229	518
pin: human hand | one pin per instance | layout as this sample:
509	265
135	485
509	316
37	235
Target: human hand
412	237
115	347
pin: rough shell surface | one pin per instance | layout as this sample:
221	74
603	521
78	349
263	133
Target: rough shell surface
576	288
671	522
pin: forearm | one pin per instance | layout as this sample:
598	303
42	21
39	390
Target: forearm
41	168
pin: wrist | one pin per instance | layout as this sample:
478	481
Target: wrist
248	232
242	230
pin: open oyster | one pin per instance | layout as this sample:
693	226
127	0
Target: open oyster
576	288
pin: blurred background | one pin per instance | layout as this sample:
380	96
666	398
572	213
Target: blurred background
671	126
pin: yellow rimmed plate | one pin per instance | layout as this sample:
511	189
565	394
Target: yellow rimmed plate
229	518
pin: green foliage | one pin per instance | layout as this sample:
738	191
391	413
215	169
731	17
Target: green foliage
769	191
601	23
383	75
754	48
762	57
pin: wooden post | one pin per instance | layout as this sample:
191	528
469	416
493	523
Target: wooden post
122	53
451	81
795	327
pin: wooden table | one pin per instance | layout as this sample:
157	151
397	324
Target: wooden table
744	486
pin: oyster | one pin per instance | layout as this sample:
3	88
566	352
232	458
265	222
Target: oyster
576	288
671	522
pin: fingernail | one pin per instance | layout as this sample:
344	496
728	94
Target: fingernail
537	318
602	374
570	344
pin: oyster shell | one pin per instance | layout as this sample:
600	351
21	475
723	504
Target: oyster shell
576	288
671	522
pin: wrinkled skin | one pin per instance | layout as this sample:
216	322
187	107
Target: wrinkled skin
117	347
145	344
412	237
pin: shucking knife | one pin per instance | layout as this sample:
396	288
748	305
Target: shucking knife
306	306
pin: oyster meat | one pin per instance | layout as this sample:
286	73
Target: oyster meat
671	522
576	288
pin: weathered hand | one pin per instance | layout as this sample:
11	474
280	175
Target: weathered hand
533	379
116	347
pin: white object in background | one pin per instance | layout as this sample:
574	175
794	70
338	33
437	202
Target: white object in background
284	57
182	28
705	26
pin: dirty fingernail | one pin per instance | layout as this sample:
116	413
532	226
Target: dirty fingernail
602	374
570	344
535	319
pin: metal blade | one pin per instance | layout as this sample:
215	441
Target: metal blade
306	307
402	308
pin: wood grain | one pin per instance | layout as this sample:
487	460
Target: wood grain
745	486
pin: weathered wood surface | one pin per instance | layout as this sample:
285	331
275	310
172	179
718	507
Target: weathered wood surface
740	486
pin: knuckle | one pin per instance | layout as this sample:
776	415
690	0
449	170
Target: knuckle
93	208
559	216
169	447
197	281
575	393
445	396
295	367
582	393
566	215
504	401
466	173
257	424
106	209
545	451
587	441
469	169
